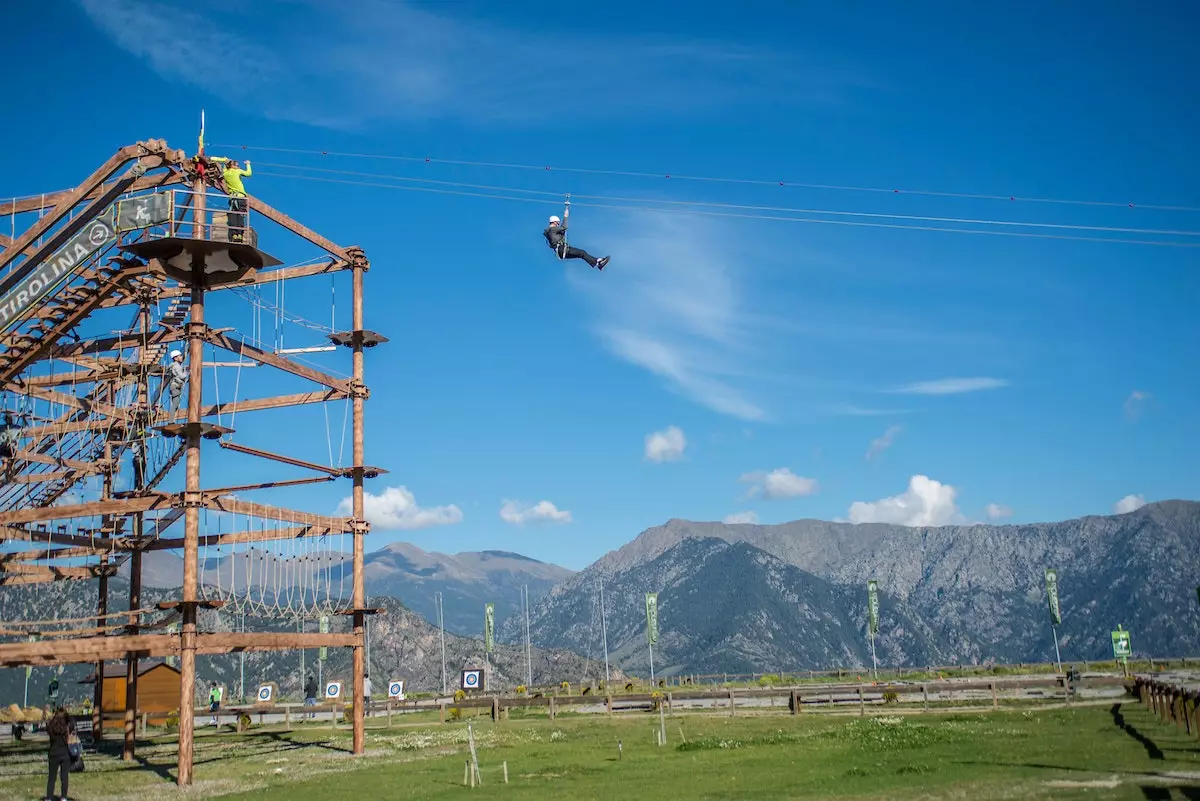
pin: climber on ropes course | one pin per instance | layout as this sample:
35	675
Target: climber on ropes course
10	441
556	238
232	175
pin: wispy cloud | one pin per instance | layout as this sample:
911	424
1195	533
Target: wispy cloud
778	483
1130	503
396	509
950	386
852	410
673	303
667	445
997	511
882	443
519	514
1136	403
342	63
741	517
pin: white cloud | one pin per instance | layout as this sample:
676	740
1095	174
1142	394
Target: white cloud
741	517
951	386
779	483
1135	403
541	512
396	509
997	511
1129	503
926	502
674	304
318	62
666	445
884	442
851	410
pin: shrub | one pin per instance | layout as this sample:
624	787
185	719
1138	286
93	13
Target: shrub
521	689
459	695
455	713
891	697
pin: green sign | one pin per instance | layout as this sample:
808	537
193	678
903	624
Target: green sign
1052	596
489	626
873	605
1122	649
324	624
652	617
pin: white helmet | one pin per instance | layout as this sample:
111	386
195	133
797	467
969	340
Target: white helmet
175	354
554	218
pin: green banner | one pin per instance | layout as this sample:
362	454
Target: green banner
1052	596
873	605
652	617
324	623
489	627
1122	648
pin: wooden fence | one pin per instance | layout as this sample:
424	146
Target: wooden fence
1170	701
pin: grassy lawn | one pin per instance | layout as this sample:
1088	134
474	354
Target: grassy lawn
1085	752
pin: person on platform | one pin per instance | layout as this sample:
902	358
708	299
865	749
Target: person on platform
233	175
556	238
177	376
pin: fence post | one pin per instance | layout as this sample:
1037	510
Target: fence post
552	705
732	705
795	701
608	704
862	702
925	695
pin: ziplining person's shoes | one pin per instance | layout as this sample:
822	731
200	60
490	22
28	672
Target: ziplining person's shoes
601	262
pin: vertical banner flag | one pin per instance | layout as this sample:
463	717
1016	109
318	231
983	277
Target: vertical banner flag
324	623
652	617
873	605
489	624
200	139
1052	596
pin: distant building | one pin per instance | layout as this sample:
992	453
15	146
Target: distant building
158	692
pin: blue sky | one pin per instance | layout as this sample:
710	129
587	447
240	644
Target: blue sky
807	370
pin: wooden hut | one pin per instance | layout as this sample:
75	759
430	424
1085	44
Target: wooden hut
157	689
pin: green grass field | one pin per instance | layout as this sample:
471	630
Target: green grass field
1085	752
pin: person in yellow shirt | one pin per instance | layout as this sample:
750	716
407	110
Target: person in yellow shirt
233	174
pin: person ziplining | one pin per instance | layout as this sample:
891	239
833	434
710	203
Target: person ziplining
556	238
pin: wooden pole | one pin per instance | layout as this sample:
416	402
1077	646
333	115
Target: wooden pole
360	525
101	620
191	502
129	749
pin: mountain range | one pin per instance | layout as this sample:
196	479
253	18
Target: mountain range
793	596
749	598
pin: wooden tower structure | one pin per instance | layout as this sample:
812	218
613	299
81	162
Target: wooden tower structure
143	230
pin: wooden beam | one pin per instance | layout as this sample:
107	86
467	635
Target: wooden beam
89	509
94	649
298	229
51	553
264	512
261	277
235	642
38	478
320	468
269	535
52	199
244	350
12	533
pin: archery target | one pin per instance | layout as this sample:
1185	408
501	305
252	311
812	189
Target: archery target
396	689
333	690
265	693
472	679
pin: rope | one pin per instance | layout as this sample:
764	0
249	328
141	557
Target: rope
1010	197
683	203
775	218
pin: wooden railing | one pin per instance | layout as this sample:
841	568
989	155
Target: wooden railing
1171	702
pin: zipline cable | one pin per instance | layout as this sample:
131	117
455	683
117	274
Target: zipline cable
781	209
856	223
712	179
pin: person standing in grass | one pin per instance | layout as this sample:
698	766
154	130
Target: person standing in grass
60	728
